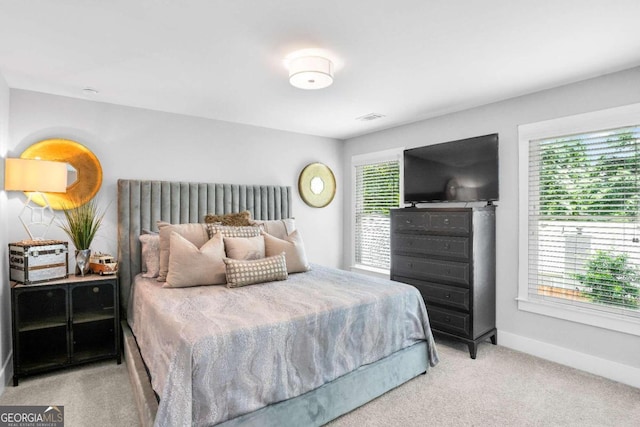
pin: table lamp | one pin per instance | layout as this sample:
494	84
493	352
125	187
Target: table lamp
35	177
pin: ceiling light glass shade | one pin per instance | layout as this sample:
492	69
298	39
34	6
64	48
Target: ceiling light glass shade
310	72
35	175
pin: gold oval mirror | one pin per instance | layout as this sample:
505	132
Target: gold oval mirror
317	185
84	172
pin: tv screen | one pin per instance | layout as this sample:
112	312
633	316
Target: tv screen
456	171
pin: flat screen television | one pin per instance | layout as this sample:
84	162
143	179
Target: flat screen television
456	171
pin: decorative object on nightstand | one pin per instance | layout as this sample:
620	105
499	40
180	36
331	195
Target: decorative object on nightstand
317	185
35	177
449	255
64	323
81	225
34	261
84	172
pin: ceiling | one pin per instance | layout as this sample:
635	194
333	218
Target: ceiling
407	59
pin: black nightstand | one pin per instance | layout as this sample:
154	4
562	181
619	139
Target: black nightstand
63	323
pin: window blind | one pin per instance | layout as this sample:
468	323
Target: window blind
377	191
583	221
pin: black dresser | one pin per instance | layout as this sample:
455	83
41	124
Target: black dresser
449	255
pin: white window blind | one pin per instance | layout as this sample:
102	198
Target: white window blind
583	221
377	190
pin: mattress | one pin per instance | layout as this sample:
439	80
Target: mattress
216	353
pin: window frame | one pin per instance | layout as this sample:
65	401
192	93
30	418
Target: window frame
395	154
580	123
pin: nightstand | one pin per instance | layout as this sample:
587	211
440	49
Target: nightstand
63	323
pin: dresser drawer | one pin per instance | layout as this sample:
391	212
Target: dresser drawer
443	294
457	222
431	269
447	221
454	247
449	321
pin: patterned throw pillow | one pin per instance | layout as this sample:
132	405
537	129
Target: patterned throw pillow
233	219
250	272
228	231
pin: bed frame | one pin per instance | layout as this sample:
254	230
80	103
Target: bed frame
142	203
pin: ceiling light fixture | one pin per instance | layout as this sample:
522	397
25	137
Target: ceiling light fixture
310	72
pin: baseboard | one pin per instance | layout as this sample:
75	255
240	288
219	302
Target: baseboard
6	373
605	368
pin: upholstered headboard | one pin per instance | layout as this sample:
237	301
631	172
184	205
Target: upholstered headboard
142	203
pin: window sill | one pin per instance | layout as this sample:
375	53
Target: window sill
610	321
371	271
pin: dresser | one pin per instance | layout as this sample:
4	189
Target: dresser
448	254
63	323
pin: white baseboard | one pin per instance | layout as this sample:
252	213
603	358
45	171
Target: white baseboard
605	368
6	373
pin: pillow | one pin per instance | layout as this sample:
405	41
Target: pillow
249	272
234	219
150	253
293	249
244	247
195	233
279	228
228	231
190	266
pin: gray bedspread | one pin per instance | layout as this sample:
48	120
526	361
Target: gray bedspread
216	353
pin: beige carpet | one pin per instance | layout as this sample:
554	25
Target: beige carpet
500	388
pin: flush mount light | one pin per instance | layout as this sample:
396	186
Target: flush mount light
310	72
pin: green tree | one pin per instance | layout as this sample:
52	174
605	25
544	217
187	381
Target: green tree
590	176
610	279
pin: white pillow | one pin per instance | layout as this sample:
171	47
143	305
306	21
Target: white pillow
190	266
279	228
195	233
150	253
244	247
293	248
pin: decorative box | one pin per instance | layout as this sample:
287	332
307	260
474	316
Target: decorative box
33	261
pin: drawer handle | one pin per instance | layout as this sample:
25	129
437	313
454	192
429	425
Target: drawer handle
447	319
447	295
446	246
410	264
96	289
446	221
409	221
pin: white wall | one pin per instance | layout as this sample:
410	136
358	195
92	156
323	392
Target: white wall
541	335
5	307
144	144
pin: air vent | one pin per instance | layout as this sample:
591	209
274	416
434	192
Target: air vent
369	117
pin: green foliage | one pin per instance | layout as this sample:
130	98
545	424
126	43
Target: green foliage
590	179
382	191
611	280
82	223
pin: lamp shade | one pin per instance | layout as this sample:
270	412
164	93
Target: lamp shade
35	175
310	72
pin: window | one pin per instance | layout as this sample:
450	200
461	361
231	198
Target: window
377	190
580	219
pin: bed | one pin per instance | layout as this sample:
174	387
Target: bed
300	351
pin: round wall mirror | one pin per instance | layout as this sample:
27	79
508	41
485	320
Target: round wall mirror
317	185
84	172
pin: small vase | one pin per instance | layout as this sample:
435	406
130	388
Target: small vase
82	261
